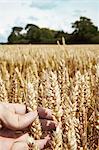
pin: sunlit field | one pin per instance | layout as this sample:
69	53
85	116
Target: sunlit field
64	78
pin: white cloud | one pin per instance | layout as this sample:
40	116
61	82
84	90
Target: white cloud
55	14
49	4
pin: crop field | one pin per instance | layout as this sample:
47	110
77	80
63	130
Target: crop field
64	78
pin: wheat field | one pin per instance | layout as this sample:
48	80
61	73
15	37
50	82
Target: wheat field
64	78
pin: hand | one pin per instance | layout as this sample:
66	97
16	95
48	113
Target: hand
14	119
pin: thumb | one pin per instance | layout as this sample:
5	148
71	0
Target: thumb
16	121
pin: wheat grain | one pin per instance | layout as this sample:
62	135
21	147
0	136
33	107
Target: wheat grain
60	78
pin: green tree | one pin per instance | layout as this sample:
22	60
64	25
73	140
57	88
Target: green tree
84	30
15	36
33	33
60	34
47	36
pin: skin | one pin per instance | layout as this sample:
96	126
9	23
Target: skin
15	119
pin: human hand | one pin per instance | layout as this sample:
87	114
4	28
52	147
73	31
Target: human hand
14	119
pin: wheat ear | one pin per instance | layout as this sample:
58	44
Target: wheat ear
57	110
3	92
21	86
13	91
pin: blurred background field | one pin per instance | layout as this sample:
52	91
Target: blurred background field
10	51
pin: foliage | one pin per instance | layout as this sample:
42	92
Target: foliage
84	32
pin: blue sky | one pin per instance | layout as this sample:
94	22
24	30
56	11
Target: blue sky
55	14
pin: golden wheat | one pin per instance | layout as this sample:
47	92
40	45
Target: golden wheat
62	78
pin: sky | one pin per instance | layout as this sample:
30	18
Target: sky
54	14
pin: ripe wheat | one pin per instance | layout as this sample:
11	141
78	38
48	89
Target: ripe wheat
62	78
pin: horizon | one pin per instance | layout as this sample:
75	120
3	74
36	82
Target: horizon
42	12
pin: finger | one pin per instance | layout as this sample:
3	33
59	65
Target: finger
12	134
48	125
16	121
43	142
45	113
24	137
17	108
40	143
7	142
20	146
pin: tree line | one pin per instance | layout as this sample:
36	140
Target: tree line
85	32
